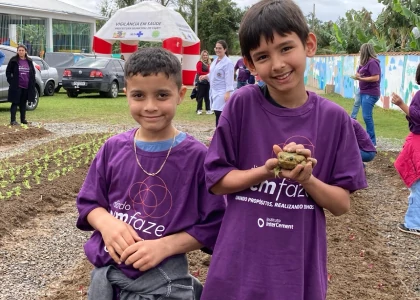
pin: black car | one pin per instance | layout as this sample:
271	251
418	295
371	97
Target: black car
95	75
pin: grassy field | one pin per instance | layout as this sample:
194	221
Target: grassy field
92	109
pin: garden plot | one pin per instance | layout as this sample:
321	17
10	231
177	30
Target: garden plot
41	251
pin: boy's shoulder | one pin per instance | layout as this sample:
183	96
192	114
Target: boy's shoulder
120	139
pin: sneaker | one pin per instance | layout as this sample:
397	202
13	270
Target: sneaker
24	122
209	112
199	112
14	123
408	230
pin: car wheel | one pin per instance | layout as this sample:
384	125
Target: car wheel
33	105
113	91
72	94
49	89
57	89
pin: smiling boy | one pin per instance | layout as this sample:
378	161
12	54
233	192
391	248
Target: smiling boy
272	242
144	195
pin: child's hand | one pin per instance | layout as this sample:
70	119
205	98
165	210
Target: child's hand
227	96
300	173
395	99
144	255
118	236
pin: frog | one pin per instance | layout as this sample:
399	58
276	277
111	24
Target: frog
288	161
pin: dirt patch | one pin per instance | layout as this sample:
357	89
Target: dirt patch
13	135
368	258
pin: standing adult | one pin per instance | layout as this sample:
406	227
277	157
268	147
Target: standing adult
203	86
243	73
20	73
369	76
220	78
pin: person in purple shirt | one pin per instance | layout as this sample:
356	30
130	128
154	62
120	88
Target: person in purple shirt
20	74
369	76
272	242
367	149
144	195
408	161
243	73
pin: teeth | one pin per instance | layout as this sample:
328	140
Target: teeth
284	76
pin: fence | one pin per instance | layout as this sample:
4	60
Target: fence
398	72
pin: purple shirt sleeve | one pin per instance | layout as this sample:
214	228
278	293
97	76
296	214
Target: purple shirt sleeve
362	137
414	109
373	68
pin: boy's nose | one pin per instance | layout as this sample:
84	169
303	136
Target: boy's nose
150	105
278	64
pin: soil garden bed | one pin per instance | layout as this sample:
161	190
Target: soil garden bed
41	252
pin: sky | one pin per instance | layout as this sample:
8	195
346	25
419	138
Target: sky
325	10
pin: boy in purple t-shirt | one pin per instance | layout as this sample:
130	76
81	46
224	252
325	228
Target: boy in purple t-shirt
145	195
272	242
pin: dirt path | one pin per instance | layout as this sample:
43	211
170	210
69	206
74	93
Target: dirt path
41	251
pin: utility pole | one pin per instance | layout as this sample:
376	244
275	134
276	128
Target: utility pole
313	18
195	18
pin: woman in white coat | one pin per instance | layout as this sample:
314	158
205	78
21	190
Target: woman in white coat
220	78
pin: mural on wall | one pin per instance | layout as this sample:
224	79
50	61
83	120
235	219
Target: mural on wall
397	75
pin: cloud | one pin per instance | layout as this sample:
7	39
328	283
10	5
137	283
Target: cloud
327	10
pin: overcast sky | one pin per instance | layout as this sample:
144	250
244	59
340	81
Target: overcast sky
325	10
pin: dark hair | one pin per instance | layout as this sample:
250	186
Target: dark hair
26	53
269	16
224	45
152	61
418	75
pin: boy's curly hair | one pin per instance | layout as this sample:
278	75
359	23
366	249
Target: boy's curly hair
152	61
269	16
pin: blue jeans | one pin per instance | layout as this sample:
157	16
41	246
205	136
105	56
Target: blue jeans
412	216
368	103
356	105
367	156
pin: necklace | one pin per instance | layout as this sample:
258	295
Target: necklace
164	162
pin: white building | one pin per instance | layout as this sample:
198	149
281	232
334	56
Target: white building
47	26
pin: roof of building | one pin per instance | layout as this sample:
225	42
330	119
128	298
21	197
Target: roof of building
53	6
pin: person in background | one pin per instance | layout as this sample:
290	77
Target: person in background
203	86
20	73
243	73
122	57
369	76
356	104
408	161
367	149
2	57
272	243
220	78
143	217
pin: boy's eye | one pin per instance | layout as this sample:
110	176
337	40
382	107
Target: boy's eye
162	95
261	57
285	49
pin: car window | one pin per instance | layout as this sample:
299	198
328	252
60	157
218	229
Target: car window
92	63
8	54
39	63
113	66
118	66
122	64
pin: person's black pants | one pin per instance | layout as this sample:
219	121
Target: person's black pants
217	113
203	93
22	106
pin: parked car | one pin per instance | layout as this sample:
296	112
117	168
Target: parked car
63	60
49	75
101	75
9	52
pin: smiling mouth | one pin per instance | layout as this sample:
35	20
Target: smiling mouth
284	76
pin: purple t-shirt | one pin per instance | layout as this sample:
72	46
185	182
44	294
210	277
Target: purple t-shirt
272	242
362	137
175	200
243	73
371	68
23	73
414	118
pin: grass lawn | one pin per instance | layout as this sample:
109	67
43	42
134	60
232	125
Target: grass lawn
92	109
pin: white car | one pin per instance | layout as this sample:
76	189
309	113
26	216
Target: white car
49	75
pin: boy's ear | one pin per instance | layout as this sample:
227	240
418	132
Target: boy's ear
311	45
125	91
249	65
182	93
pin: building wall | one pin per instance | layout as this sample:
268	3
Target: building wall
397	75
